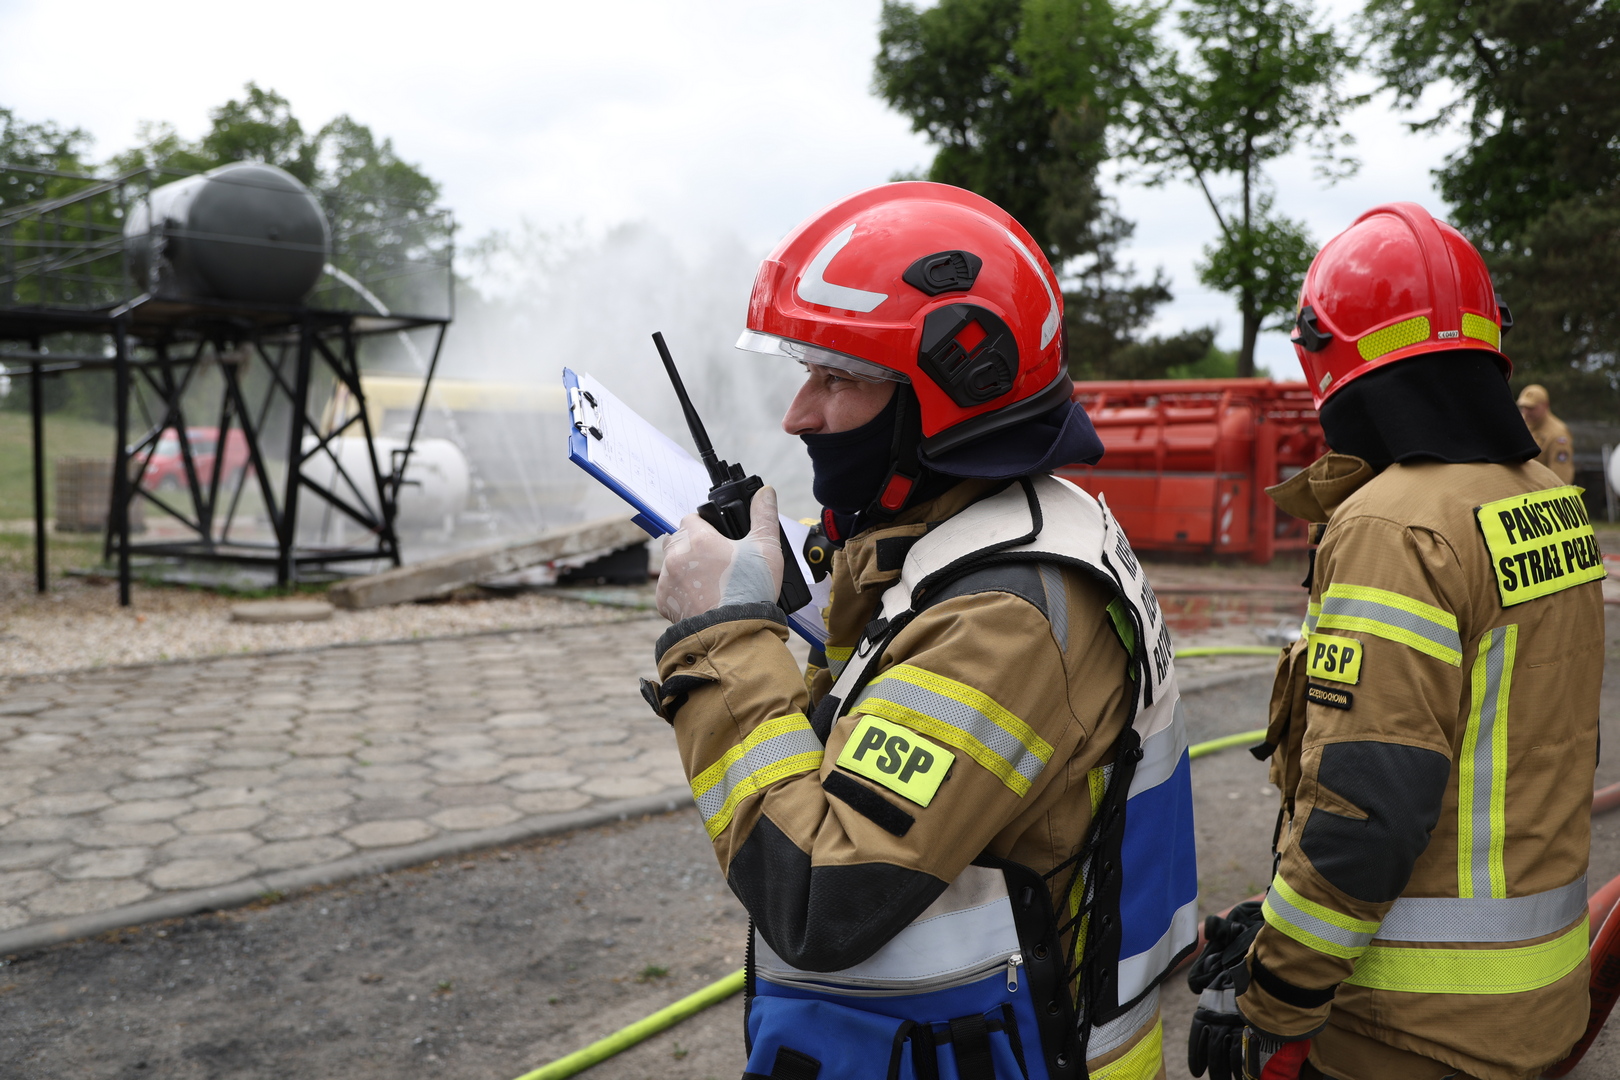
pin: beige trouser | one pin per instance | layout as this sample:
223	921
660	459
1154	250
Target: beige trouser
1337	1054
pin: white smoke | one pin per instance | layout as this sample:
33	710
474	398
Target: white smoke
541	300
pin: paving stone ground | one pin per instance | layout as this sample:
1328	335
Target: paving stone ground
120	785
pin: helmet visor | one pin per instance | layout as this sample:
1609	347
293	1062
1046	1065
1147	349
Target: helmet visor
770	345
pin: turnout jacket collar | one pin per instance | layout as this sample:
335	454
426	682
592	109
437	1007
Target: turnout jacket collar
873	557
1313	494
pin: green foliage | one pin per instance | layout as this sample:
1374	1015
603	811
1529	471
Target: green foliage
1265	257
47	147
1256	80
1019	97
1536	87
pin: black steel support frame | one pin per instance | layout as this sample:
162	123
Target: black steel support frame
322	339
328	342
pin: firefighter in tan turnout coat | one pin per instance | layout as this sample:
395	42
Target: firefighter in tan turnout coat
1434	732
965	837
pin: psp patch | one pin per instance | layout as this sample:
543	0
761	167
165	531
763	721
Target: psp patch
1331	696
898	758
1540	543
1337	659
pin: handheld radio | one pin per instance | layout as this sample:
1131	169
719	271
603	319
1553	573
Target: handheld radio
732	491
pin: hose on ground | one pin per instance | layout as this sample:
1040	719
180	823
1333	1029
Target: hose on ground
642	1029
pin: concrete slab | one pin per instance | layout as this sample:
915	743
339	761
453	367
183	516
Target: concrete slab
271	612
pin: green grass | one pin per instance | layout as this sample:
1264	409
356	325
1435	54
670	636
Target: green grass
65	552
65	436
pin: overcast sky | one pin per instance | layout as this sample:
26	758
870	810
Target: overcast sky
719	118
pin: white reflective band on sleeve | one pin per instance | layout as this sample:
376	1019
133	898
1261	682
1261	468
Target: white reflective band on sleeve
1390	615
1484	919
775	750
1315	926
961	716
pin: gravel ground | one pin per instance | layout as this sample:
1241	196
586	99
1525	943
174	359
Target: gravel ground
80	625
485	968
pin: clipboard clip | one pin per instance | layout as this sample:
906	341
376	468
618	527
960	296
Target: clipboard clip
587	415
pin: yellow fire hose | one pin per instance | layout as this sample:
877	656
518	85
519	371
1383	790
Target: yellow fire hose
720	990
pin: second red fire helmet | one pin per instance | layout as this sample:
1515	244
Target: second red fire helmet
1397	283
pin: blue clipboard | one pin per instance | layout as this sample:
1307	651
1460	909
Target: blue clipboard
579	454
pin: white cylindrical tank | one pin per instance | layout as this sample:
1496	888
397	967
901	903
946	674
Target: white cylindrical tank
1614	470
435	489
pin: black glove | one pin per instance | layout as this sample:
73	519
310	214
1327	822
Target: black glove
1220	974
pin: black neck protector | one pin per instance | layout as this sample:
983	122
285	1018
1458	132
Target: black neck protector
1451	406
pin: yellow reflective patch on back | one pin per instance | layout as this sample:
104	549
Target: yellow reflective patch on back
896	757
1334	658
1540	544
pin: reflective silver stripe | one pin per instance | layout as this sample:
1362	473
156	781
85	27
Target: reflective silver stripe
1484	919
1117	1032
978	727
752	770
1313	612
1057	603
1350	943
837	659
1336	607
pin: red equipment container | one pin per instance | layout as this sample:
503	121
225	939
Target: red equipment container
1188	461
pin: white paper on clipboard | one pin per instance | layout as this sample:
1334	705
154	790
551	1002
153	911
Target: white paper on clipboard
656	475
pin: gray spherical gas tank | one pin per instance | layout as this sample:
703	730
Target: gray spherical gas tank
245	231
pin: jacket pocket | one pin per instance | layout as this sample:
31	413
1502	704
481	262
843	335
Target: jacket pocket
1285	723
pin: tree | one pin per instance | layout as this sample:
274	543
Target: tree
382	208
1254	80
34	152
1537	185
1019	96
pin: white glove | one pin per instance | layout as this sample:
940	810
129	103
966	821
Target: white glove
703	570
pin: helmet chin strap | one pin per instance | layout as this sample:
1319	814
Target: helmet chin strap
902	481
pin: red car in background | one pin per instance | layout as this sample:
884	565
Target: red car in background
166	471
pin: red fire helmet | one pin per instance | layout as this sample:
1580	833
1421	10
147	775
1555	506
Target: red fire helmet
925	284
1395	284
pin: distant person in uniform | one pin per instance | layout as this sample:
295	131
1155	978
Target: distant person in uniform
1550	433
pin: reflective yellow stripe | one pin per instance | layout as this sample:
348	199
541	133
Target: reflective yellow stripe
1480	328
1122	624
837	657
1397	618
1313	612
1390	338
1141	1062
958	715
1314	926
1097	787
1482	769
773	751
1424	970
